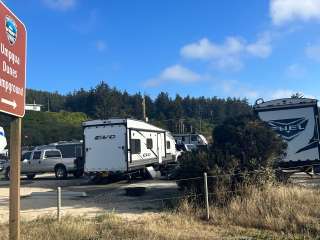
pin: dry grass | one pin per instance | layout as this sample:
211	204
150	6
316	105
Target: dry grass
291	210
273	213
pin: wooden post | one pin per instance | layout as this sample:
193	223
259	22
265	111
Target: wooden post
15	158
206	195
59	203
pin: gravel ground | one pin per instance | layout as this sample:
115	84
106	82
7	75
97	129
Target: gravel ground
38	197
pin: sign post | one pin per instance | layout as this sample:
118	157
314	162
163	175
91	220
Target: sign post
13	38
15	152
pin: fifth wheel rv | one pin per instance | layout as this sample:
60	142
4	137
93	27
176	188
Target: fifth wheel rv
296	120
124	145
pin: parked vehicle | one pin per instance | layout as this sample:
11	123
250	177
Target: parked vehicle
195	139
185	147
124	145
72	152
296	120
44	159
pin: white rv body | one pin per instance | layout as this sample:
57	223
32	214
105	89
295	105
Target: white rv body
188	138
123	145
296	120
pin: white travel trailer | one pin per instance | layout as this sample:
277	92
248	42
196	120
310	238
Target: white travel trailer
124	145
296	120
188	138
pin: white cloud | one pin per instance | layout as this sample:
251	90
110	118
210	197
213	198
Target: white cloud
61	5
101	45
313	52
230	53
175	73
284	11
262	47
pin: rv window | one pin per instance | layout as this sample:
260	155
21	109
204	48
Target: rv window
149	143
194	138
67	151
52	154
135	146
168	145
37	155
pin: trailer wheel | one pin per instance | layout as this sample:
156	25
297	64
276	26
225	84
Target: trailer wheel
7	173
78	174
60	172
282	176
31	176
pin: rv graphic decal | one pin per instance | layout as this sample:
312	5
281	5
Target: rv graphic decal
313	143
105	137
289	128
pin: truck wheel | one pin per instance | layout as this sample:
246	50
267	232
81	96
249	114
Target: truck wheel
7	174
31	176
61	172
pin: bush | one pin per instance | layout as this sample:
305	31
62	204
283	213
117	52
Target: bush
243	152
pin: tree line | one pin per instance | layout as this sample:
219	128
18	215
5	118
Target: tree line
198	114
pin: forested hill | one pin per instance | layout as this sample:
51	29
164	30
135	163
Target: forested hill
195	114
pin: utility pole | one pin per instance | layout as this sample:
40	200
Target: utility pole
144	109
48	103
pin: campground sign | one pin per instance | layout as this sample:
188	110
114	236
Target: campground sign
13	38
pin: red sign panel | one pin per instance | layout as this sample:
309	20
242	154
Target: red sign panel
13	39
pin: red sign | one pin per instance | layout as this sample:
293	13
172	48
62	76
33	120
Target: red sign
13	43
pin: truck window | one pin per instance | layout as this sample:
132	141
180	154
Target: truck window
37	155
79	150
194	138
168	145
26	155
149	143
52	154
67	151
135	146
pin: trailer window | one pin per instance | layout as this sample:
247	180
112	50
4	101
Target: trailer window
168	145
149	143
135	146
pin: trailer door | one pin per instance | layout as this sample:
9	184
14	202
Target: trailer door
105	148
160	146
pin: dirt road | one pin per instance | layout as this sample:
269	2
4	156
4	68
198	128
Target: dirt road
38	197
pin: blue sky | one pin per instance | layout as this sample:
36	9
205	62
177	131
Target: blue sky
252	48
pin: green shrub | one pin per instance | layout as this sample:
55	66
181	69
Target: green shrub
243	152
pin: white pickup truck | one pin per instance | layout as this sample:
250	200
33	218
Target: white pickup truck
44	160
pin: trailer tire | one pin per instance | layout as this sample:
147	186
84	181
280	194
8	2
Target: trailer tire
31	176
7	174
60	172
282	176
78	174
